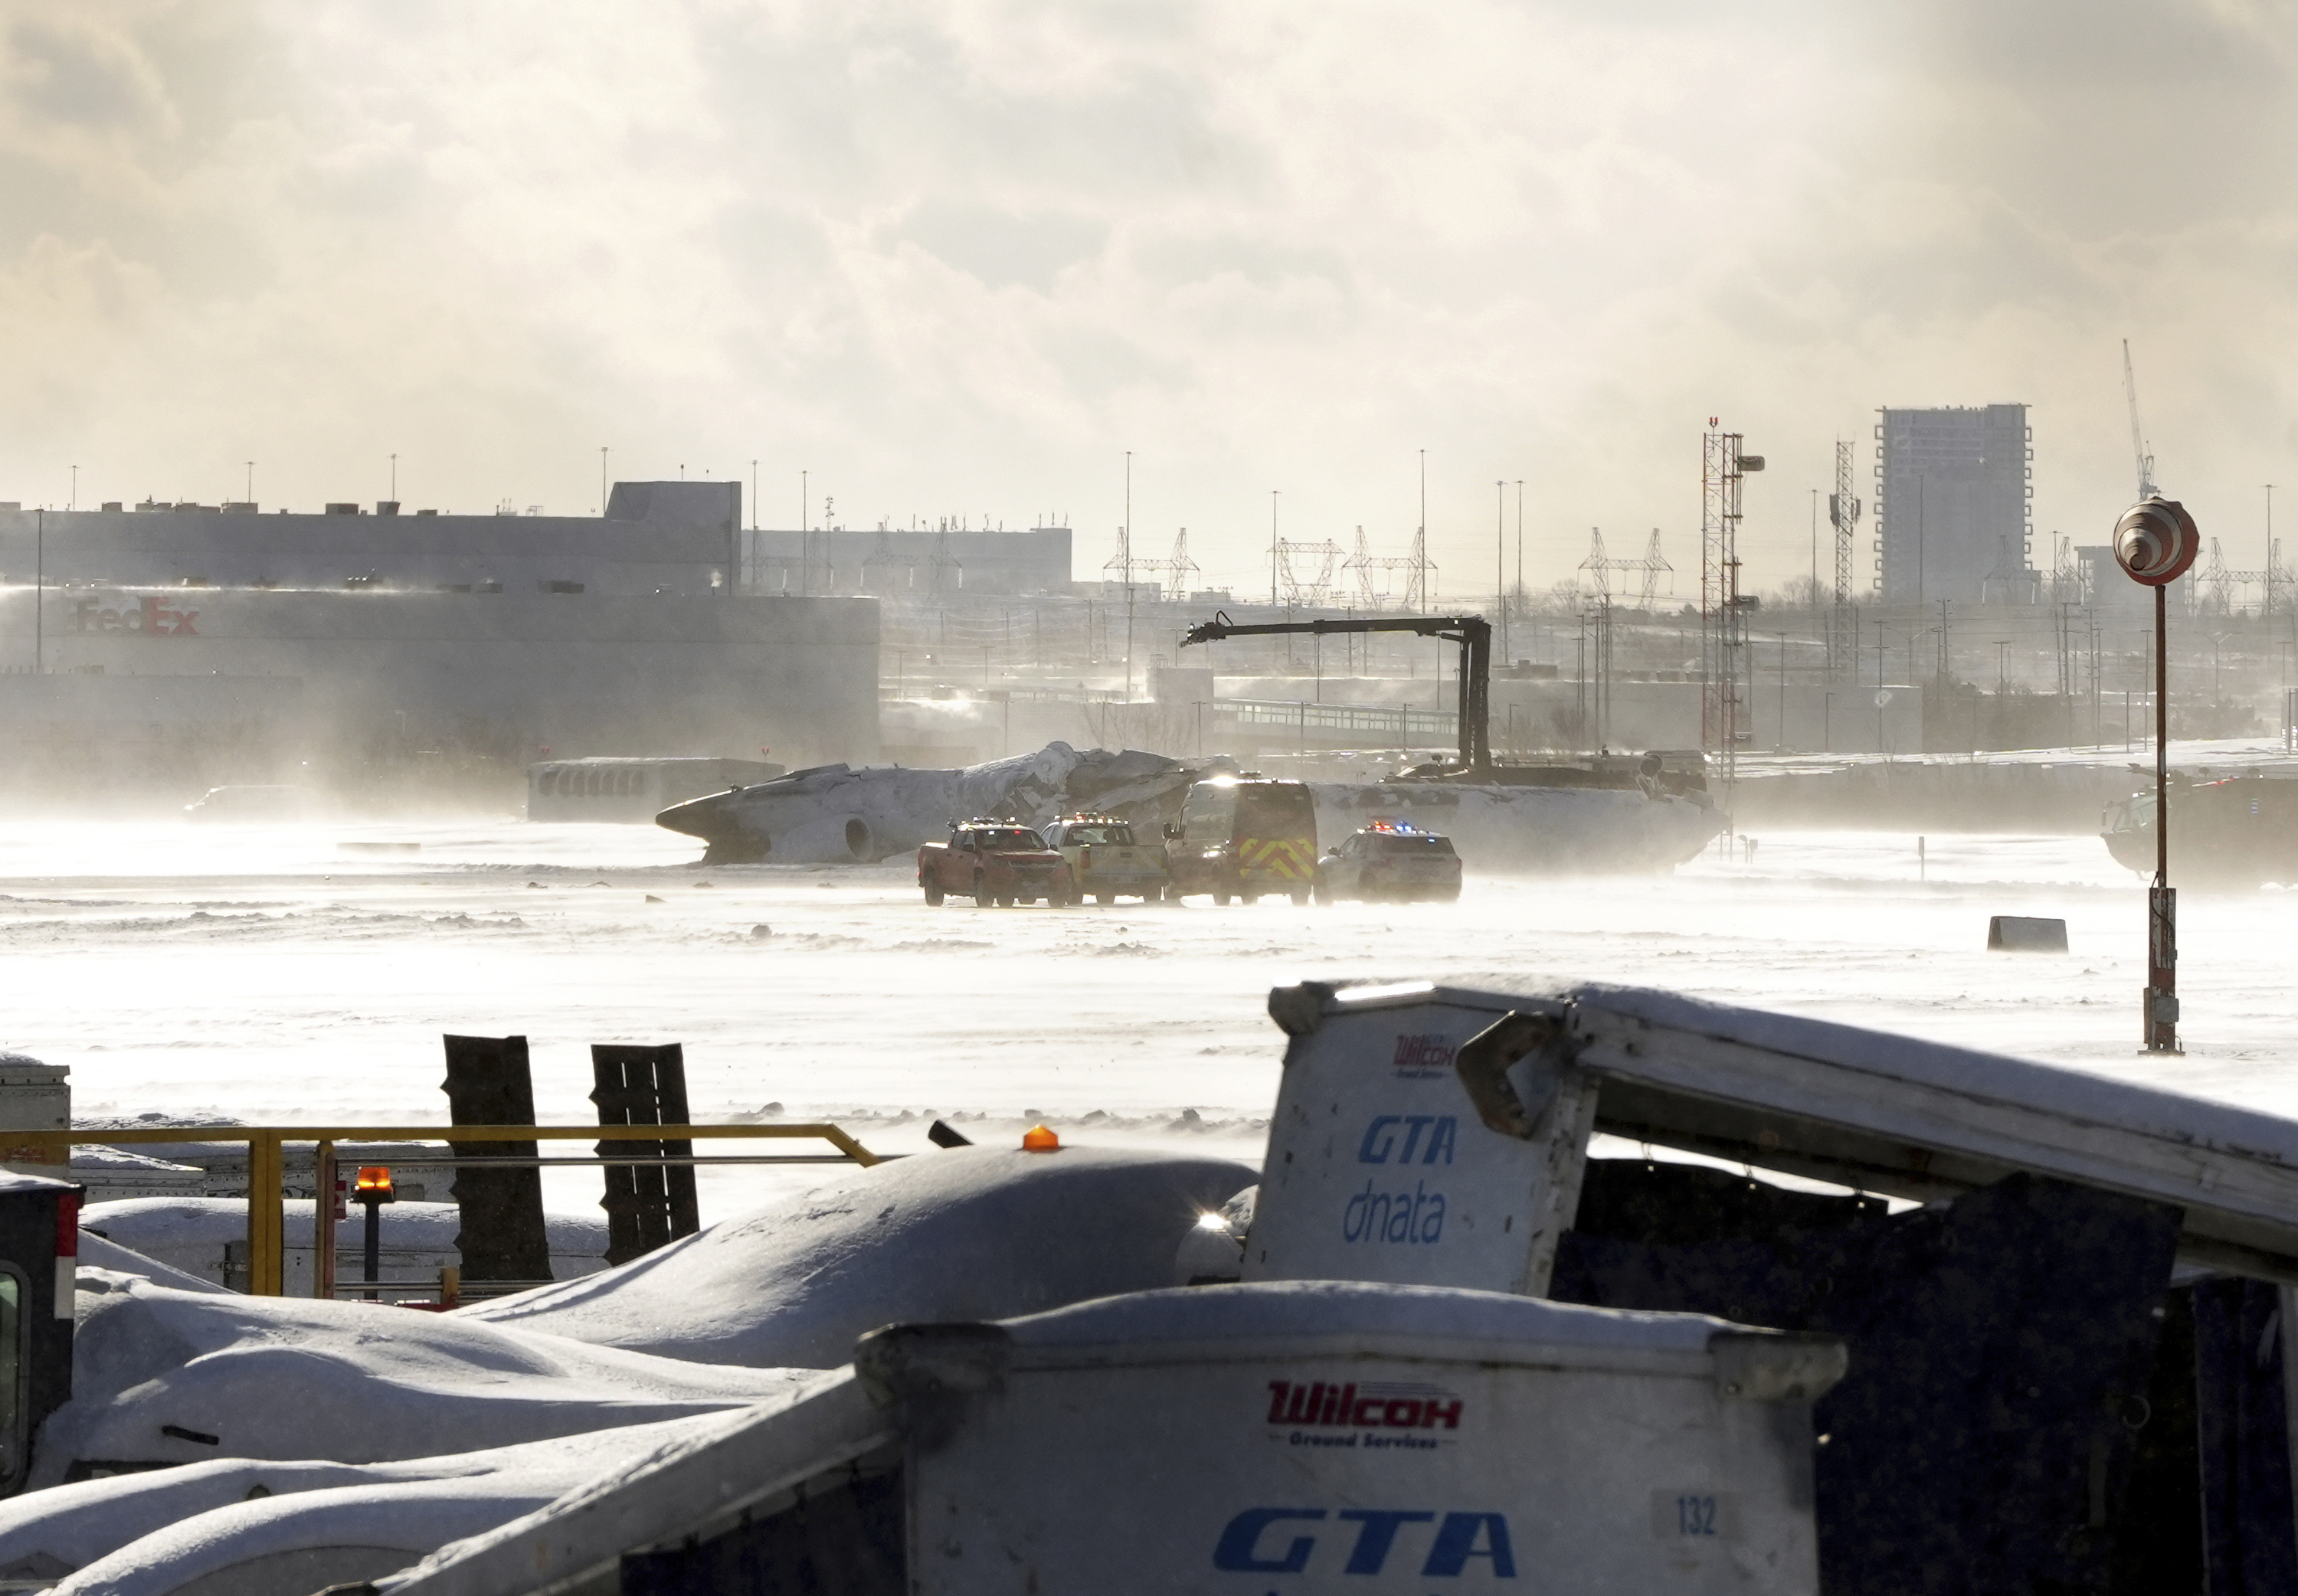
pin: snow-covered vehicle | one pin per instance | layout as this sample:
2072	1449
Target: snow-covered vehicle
1244	836
1105	863
995	861
1393	861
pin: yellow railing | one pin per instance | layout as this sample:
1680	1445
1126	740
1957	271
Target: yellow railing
266	1214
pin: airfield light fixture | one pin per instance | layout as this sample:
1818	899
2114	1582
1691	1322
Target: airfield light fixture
371	1191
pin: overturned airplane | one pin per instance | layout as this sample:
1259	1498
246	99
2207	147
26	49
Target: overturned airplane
838	814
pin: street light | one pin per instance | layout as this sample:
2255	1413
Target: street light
2155	542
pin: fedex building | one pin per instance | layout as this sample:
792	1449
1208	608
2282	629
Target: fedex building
167	628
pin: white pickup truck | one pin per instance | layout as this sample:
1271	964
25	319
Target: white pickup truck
1105	861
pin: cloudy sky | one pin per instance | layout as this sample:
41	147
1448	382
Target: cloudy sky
958	259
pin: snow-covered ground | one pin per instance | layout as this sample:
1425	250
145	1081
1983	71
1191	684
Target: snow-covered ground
279	975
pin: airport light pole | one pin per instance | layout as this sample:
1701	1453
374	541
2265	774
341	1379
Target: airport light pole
2155	542
373	1191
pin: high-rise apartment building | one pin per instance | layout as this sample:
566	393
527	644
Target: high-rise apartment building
1953	488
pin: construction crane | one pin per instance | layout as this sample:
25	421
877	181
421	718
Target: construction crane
2145	458
1474	633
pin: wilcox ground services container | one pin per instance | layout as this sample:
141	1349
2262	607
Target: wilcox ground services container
1347	1438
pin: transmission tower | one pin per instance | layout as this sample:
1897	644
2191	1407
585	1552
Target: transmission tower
1306	570
1363	564
948	570
1373	593
1651	566
881	556
2218	582
1843	510
1178	569
1122	562
1599	567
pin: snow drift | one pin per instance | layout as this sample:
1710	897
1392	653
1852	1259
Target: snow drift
969	1233
164	1375
260	1528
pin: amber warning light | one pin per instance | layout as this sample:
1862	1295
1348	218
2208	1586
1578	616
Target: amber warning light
374	1185
1037	1138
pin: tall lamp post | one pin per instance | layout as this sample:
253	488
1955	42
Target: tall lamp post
2155	542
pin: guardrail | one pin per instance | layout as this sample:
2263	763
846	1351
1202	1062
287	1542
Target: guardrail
267	1213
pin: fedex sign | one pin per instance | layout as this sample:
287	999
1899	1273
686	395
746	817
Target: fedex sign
149	617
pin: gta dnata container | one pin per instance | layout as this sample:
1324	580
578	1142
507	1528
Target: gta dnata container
1383	1164
1299	1438
1340	1437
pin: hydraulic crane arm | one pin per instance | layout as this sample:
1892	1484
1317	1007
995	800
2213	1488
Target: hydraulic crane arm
1474	633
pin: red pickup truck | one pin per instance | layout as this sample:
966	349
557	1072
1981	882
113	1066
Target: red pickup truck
995	861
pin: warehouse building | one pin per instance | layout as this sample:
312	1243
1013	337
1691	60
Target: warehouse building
175	640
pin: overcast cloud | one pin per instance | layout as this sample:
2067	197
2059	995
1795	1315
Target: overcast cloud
957	259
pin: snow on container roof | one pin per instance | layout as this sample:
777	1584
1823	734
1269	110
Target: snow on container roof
1331	1317
968	1233
1889	1114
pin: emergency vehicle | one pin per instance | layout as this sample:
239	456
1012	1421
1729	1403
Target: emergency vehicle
1390	860
1244	836
1105	860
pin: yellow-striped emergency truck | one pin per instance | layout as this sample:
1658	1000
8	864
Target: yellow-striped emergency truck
1244	836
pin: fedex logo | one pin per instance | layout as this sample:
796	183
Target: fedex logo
1258	1541
1423	1058
151	617
1383	1138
